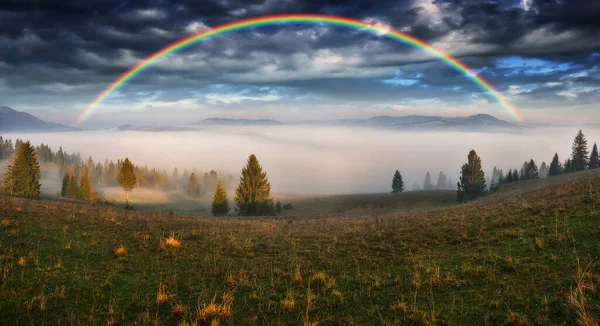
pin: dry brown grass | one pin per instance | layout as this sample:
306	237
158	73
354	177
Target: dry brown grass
120	252
172	242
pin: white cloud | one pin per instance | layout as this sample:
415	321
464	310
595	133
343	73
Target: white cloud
152	13
196	27
236	98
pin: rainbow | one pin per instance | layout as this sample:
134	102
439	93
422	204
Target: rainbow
298	19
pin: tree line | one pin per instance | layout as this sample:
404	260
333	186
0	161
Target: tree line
22	176
472	183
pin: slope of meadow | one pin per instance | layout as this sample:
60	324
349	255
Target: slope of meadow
517	257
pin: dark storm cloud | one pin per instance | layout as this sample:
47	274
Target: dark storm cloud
72	49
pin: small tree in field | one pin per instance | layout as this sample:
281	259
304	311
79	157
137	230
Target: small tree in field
85	187
65	185
472	179
427	185
220	203
253	195
193	188
555	166
397	183
579	156
22	177
72	188
127	178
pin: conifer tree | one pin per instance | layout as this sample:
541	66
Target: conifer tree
543	170
427	185
126	178
567	167
579	156
23	177
65	185
594	159
555	166
253	195
397	183
220	203
472	179
85	187
442	181
73	187
7	179
192	186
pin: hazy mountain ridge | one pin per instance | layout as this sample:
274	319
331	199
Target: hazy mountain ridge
13	120
411	121
152	128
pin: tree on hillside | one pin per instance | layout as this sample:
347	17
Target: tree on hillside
579	155
127	179
73	187
193	188
568	168
397	183
555	166
253	195
543	170
472	179
427	185
220	203
85	187
594	159
23	176
529	171
65	185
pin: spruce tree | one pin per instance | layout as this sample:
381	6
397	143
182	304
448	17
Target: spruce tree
192	186
126	178
427	185
23	177
65	185
73	187
472	179
253	195
442	181
594	159
397	183
543	170
568	167
85	187
220	203
555	166
579	155
7	179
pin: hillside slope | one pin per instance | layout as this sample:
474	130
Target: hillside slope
525	258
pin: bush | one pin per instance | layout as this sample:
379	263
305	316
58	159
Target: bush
287	207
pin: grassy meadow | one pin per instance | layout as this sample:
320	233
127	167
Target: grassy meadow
526	255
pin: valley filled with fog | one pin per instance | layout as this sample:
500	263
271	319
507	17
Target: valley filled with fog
320	160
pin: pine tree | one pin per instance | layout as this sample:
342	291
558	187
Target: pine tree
220	203
397	183
85	187
65	185
442	181
23	177
594	159
126	178
568	167
472	179
515	175
253	195
7	179
509	176
427	185
579	156
192	186
543	170
72	188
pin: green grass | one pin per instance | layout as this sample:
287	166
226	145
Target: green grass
517	257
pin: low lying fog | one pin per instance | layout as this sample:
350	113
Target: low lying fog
321	160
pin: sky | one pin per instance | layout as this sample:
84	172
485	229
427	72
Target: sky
56	56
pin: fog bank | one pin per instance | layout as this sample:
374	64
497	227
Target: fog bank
320	160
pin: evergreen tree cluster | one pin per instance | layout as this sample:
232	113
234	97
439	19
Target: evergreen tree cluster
22	174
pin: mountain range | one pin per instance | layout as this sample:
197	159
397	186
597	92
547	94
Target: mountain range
12	120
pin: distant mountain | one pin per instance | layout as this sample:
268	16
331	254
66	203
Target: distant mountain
237	122
478	121
421	122
12	120
152	128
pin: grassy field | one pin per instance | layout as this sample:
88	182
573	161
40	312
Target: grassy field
305	206
526	255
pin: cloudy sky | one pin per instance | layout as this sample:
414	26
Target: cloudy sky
57	55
